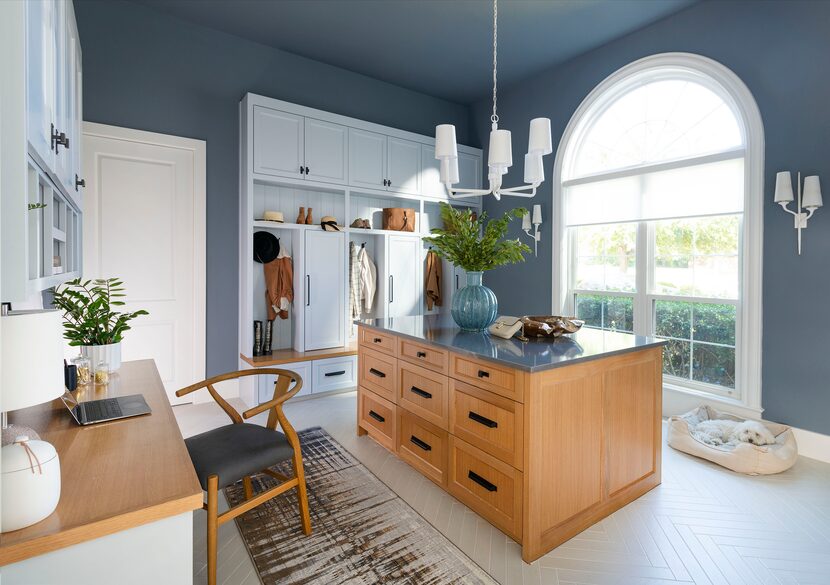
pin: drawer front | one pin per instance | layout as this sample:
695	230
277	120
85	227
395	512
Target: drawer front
265	384
423	445
502	381
424	393
378	373
378	341
490	487
427	356
378	417
334	373
488	421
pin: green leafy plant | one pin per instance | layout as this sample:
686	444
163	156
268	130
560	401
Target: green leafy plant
33	206
89	317
474	243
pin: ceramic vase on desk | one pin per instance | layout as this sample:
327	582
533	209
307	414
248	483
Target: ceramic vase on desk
474	307
108	354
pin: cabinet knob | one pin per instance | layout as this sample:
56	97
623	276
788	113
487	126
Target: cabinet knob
58	139
79	182
302	169
306	170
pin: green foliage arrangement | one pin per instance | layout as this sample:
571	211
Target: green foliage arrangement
474	245
89	317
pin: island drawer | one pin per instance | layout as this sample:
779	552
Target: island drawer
427	356
378	417
423	445
378	373
424	393
487	375
490	487
378	341
488	421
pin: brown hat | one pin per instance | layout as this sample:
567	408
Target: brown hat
329	223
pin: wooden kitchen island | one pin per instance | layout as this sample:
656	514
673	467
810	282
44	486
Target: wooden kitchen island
542	439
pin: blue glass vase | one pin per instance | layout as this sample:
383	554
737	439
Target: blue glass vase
474	307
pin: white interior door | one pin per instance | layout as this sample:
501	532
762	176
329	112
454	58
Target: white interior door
325	283
405	286
144	222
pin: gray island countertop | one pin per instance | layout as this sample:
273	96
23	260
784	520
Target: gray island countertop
532	356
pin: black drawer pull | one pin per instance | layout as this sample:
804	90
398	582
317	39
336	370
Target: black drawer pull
419	392
482	482
376	416
482	420
483	374
421	354
337	373
419	443
377	373
377	340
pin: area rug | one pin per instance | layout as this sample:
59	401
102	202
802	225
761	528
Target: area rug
363	533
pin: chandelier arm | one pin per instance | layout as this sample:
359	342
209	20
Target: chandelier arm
464	193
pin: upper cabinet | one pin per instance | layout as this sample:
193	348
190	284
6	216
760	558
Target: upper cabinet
41	77
469	171
384	162
325	151
403	167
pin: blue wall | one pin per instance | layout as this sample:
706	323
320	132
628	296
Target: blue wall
145	70
780	50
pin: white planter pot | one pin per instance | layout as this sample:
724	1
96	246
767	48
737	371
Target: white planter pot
109	354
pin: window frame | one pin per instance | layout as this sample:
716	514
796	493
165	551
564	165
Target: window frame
748	334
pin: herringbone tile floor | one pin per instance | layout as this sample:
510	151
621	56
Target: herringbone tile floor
703	525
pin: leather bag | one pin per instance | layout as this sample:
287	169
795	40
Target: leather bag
399	219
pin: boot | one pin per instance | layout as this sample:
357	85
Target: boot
301	216
308	219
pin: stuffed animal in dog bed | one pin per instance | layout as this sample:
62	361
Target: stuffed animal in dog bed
725	432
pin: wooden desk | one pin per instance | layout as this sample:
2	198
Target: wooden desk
114	476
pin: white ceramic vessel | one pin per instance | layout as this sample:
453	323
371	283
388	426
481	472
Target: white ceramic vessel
31	483
109	354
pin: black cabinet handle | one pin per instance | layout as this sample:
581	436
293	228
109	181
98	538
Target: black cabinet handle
79	182
388	182
482	482
456	282
377	340
58	139
376	416
302	169
391	288
306	170
421	354
419	392
307	290
419	443
377	373
482	420
337	373
483	374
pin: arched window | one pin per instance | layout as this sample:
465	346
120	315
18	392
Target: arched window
658	199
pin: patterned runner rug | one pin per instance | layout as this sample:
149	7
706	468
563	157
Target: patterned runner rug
363	533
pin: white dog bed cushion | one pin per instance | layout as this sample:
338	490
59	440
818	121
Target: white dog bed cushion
741	457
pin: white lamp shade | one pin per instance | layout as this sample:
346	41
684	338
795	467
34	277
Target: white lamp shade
526	221
539	140
501	151
534	170
445	145
812	193
449	171
31	359
783	187
537	214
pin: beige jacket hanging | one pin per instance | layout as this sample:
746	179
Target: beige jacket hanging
368	280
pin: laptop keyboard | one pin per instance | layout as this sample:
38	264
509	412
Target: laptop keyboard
104	409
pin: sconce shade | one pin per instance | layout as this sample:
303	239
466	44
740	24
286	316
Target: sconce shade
812	193
445	145
501	151
534	170
449	170
31	367
537	214
539	140
783	187
526	221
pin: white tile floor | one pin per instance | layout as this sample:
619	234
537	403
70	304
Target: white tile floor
703	525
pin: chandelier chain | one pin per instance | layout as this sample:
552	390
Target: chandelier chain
495	118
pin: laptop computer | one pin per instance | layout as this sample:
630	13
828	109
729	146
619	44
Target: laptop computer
96	411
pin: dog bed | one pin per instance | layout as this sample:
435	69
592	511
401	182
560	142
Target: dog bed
741	457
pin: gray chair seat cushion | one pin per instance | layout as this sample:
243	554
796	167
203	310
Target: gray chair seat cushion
237	450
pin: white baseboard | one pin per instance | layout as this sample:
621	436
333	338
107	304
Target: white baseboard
813	445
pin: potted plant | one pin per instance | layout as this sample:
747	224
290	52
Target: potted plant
90	321
476	245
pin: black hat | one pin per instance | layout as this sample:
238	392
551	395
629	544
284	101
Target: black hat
266	247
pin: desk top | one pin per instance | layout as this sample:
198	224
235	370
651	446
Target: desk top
531	356
114	475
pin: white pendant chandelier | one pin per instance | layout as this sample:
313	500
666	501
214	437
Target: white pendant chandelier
500	154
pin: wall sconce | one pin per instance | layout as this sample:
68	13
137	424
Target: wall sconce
537	221
810	199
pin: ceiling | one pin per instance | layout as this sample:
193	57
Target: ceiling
439	47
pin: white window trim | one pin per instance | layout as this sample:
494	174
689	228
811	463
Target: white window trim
750	321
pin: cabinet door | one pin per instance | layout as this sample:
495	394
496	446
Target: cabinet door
469	171
367	159
403	166
325	282
325	151
278	143
63	92
41	76
67	156
431	185
404	287
77	121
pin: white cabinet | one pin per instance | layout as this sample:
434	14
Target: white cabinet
325	151
278	143
404	286
265	382
403	165
324	285
367	159
469	171
431	185
334	374
41	78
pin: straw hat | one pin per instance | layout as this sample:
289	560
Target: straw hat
273	216
327	221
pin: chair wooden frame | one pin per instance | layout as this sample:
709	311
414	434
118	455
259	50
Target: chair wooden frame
282	392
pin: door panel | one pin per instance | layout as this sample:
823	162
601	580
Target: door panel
469	171
41	75
404	288
278	143
403	167
325	282
367	159
325	151
431	185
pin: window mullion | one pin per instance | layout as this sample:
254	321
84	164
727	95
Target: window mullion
642	312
